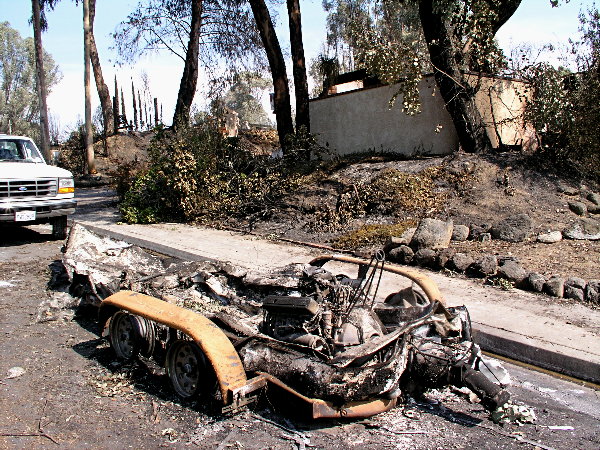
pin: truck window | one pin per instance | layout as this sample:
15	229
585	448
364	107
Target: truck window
19	150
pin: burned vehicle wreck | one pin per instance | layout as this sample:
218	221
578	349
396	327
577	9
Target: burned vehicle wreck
326	344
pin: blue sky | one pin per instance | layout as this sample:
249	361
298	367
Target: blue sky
535	21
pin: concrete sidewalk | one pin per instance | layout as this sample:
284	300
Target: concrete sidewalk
543	331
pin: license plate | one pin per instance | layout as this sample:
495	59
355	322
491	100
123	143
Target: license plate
24	216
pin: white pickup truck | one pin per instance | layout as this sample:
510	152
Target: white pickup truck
32	191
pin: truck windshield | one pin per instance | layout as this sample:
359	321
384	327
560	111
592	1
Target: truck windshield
19	150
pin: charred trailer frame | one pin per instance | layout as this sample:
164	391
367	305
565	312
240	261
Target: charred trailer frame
332	353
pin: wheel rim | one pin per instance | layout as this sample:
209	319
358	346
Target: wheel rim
185	366
124	336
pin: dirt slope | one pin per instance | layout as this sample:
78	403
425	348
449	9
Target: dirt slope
469	189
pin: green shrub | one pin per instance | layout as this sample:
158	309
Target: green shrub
195	174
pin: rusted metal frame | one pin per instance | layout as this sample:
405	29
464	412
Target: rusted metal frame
423	281
321	409
239	397
210	338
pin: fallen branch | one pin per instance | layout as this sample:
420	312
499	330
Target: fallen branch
39	434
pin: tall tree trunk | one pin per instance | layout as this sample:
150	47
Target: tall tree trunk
189	78
283	109
446	50
155	112
41	80
89	137
298	65
459	96
101	87
135	110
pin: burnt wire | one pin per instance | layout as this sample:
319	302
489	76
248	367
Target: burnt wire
362	291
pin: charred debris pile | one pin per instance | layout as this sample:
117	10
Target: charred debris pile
337	338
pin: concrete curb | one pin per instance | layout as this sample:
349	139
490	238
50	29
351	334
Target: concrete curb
532	351
547	355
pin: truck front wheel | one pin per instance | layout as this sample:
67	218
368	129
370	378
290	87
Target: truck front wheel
59	227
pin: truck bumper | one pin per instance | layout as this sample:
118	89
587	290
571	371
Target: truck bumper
44	209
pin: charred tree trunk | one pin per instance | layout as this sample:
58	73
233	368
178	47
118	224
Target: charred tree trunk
459	96
41	80
135	110
298	65
447	51
101	87
187	87
283	109
155	112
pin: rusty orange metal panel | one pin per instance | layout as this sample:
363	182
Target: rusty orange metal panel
423	281
211	339
321	409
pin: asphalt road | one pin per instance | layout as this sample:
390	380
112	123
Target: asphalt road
61	388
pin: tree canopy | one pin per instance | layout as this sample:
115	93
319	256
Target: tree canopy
19	104
243	97
227	31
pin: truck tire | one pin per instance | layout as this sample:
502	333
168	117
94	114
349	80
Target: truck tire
59	227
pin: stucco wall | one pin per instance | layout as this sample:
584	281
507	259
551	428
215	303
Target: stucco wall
501	103
361	120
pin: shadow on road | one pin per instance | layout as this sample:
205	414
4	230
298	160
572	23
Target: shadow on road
11	236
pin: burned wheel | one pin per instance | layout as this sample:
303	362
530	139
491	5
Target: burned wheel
188	368
130	335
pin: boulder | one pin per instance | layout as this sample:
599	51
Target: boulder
578	208
401	255
593	209
459	262
460	233
513	228
583	229
592	292
576	282
566	189
574	293
485	237
425	257
594	198
503	258
512	271
555	286
484	266
477	230
550	237
444	256
432	233
575	288
535	281
394	242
